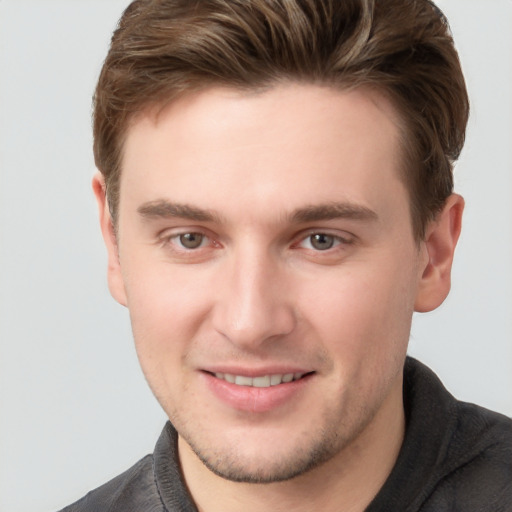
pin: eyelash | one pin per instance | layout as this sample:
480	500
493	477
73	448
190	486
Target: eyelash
174	240
336	239
177	245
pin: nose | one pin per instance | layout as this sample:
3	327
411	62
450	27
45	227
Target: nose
253	302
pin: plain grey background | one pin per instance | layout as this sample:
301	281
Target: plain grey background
74	407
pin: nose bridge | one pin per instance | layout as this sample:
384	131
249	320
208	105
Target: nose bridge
253	305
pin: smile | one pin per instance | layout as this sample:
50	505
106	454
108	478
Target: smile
264	381
260	392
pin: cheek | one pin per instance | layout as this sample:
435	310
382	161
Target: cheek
367	310
163	297
166	311
364	324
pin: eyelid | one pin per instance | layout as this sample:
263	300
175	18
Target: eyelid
168	236
344	238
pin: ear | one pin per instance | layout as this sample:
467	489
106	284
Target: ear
439	246
115	277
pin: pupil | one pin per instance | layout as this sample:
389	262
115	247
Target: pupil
191	240
322	242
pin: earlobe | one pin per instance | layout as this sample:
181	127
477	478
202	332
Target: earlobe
439	246
115	277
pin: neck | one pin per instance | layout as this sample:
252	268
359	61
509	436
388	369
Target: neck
348	482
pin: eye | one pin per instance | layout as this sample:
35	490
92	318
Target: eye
188	246
191	240
321	241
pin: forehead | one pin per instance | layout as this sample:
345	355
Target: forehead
288	146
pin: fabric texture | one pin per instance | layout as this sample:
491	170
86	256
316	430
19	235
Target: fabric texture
456	457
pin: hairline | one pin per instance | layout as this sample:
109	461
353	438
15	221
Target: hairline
154	108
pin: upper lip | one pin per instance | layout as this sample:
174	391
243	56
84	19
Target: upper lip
256	372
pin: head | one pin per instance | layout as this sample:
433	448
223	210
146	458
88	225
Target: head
165	49
276	203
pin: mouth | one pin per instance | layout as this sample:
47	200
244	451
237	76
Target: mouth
263	381
258	393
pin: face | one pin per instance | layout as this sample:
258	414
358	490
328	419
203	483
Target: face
266	255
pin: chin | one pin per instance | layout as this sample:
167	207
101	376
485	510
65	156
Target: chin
263	461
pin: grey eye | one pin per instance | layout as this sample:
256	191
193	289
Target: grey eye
321	241
191	240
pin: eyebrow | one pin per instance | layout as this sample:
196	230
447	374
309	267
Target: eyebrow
344	210
312	213
165	209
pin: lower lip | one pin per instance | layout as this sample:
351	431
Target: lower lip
252	399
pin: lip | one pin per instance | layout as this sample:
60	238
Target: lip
256	372
254	399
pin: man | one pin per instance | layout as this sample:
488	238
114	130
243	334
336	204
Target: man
276	198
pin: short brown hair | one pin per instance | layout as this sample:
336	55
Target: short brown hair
162	49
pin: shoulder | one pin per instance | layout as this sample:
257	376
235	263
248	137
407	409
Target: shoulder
133	490
472	466
477	463
486	432
154	484
456	457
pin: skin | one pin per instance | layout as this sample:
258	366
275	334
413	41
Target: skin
256	177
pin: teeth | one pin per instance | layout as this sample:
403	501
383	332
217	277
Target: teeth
264	381
261	382
275	380
240	380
